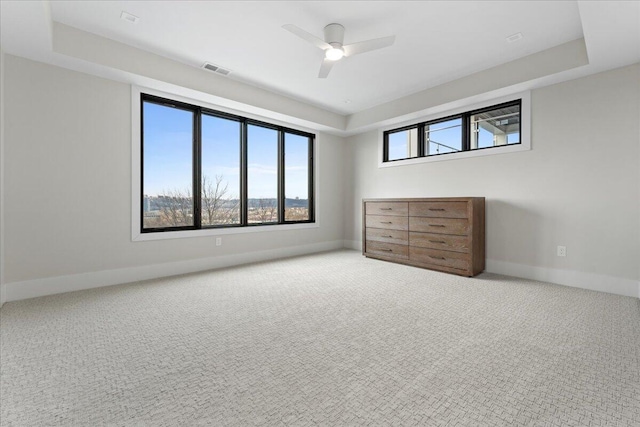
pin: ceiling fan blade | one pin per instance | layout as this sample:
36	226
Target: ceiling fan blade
368	45
307	36
325	68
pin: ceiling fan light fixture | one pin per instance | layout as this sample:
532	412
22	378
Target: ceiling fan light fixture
334	54
333	46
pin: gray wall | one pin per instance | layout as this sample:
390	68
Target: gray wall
2	286
67	196
577	187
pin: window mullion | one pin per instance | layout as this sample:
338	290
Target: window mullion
311	199
281	189
197	169
142	164
466	132
385	147
421	150
244	202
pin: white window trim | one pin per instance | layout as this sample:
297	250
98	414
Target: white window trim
136	158
525	132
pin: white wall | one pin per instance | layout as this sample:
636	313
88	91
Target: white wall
67	189
67	194
3	296
577	187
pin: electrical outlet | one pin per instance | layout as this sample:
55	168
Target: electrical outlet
218	241
562	251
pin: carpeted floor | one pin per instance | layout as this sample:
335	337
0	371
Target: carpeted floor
332	339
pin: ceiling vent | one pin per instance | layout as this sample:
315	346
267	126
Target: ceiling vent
129	17
209	66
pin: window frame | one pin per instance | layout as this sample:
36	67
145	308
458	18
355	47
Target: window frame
226	116
490	108
463	126
139	232
419	130
459	109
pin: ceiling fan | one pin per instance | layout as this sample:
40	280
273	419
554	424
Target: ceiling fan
332	45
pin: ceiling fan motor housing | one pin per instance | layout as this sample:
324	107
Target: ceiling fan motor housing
334	35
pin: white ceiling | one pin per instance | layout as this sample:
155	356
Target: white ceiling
436	42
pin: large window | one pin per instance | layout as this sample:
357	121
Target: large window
206	169
494	126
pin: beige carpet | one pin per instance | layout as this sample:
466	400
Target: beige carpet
333	339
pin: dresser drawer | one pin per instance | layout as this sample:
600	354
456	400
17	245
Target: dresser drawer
439	225
387	208
449	259
387	249
439	241
439	209
389	236
387	221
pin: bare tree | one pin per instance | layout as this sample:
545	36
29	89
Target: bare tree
267	210
174	208
217	206
177	208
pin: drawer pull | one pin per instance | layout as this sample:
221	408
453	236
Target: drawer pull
437	241
436	257
386	222
436	225
387	250
386	209
390	237
436	209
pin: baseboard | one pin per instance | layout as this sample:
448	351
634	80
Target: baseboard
576	279
55	285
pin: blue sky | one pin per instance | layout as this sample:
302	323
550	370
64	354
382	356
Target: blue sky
168	151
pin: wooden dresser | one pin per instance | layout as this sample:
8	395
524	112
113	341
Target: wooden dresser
445	234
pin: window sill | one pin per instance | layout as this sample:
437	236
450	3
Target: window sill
144	237
453	156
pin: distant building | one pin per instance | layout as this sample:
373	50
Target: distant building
146	204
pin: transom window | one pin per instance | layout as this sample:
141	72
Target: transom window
489	127
207	169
